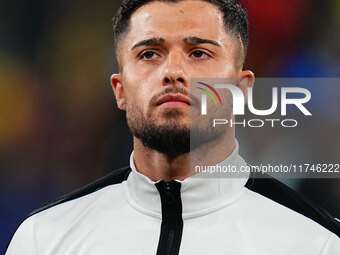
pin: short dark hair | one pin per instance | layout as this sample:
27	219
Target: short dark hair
235	18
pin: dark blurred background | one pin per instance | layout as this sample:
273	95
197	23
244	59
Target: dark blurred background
59	124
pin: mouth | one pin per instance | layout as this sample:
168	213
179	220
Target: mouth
176	100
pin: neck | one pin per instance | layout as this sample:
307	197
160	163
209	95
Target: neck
158	166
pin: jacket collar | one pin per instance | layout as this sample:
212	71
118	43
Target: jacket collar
200	195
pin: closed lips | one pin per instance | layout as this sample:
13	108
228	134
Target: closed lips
173	98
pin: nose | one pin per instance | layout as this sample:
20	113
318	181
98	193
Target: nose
174	71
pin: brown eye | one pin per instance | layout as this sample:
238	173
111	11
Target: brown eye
199	54
148	55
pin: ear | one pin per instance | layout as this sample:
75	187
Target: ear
246	80
118	89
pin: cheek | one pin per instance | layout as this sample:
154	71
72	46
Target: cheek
140	86
141	77
136	97
218	70
221	67
139	71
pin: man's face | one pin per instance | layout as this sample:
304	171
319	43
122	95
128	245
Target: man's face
166	45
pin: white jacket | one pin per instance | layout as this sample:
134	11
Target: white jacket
200	216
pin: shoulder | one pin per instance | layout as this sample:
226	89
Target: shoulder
74	207
115	177
274	225
276	197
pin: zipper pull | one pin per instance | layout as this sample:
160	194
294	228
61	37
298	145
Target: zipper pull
169	196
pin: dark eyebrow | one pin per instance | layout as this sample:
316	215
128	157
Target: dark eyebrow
148	42
196	40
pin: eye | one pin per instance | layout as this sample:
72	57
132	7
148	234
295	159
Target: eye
199	54
148	55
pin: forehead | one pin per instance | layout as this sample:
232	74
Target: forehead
172	20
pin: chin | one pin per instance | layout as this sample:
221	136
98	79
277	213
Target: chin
177	121
175	113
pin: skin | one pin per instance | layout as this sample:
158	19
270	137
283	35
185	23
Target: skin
148	70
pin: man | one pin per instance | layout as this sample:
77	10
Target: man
155	206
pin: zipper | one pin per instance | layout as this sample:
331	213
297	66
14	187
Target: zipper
169	200
170	242
172	222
